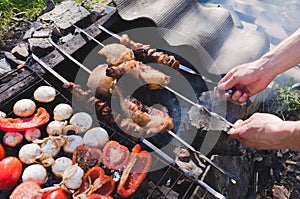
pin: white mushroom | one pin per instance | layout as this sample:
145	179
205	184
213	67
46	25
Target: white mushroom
72	141
24	107
82	121
72	177
60	166
95	137
2	114
12	138
32	134
55	127
44	94
62	112
29	153
35	172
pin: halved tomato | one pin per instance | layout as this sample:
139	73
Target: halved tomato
11	170
86	157
135	172
27	190
59	193
115	155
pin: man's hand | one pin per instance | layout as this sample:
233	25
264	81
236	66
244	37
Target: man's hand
261	131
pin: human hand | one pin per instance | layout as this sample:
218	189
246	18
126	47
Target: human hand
248	79
261	131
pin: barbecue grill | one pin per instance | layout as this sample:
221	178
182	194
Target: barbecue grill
168	181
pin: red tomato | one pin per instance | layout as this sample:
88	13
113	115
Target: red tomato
115	155
2	152
27	190
59	193
86	157
11	170
135	172
23	124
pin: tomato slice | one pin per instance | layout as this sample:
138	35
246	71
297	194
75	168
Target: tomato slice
59	193
135	172
115	155
2	152
86	157
27	190
23	124
11	170
97	182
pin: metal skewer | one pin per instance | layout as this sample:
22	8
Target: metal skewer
215	115
146	142
233	178
171	161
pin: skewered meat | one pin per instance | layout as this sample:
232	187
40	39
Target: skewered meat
150	119
145	53
159	120
116	54
139	70
99	82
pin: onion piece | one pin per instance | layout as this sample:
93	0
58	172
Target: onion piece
2	114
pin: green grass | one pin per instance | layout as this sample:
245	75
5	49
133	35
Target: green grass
14	13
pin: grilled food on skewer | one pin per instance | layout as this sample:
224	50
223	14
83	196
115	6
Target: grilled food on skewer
139	70
116	54
145	53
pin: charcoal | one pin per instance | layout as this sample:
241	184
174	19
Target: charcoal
12	60
4	66
20	51
40	45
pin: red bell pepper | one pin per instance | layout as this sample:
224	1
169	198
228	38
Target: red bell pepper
23	124
135	172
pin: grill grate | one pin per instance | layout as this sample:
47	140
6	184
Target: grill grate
167	182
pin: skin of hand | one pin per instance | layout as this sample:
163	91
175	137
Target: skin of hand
248	79
267	131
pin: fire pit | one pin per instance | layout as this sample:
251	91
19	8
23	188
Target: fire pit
166	182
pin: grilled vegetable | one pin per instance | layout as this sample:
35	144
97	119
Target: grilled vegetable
59	193
135	172
60	166
115	155
35	172
44	94
23	124
86	157
24	107
11	170
95	137
28	189
12	139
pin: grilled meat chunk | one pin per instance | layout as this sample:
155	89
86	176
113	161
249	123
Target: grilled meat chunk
139	70
147	54
99	82
150	119
116	54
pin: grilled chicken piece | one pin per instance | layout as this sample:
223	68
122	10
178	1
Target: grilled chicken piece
139	70
99	82
116	54
147	54
150	119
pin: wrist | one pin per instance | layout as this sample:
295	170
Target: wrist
291	137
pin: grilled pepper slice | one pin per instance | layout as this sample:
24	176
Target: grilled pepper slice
115	155
23	124
135	172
